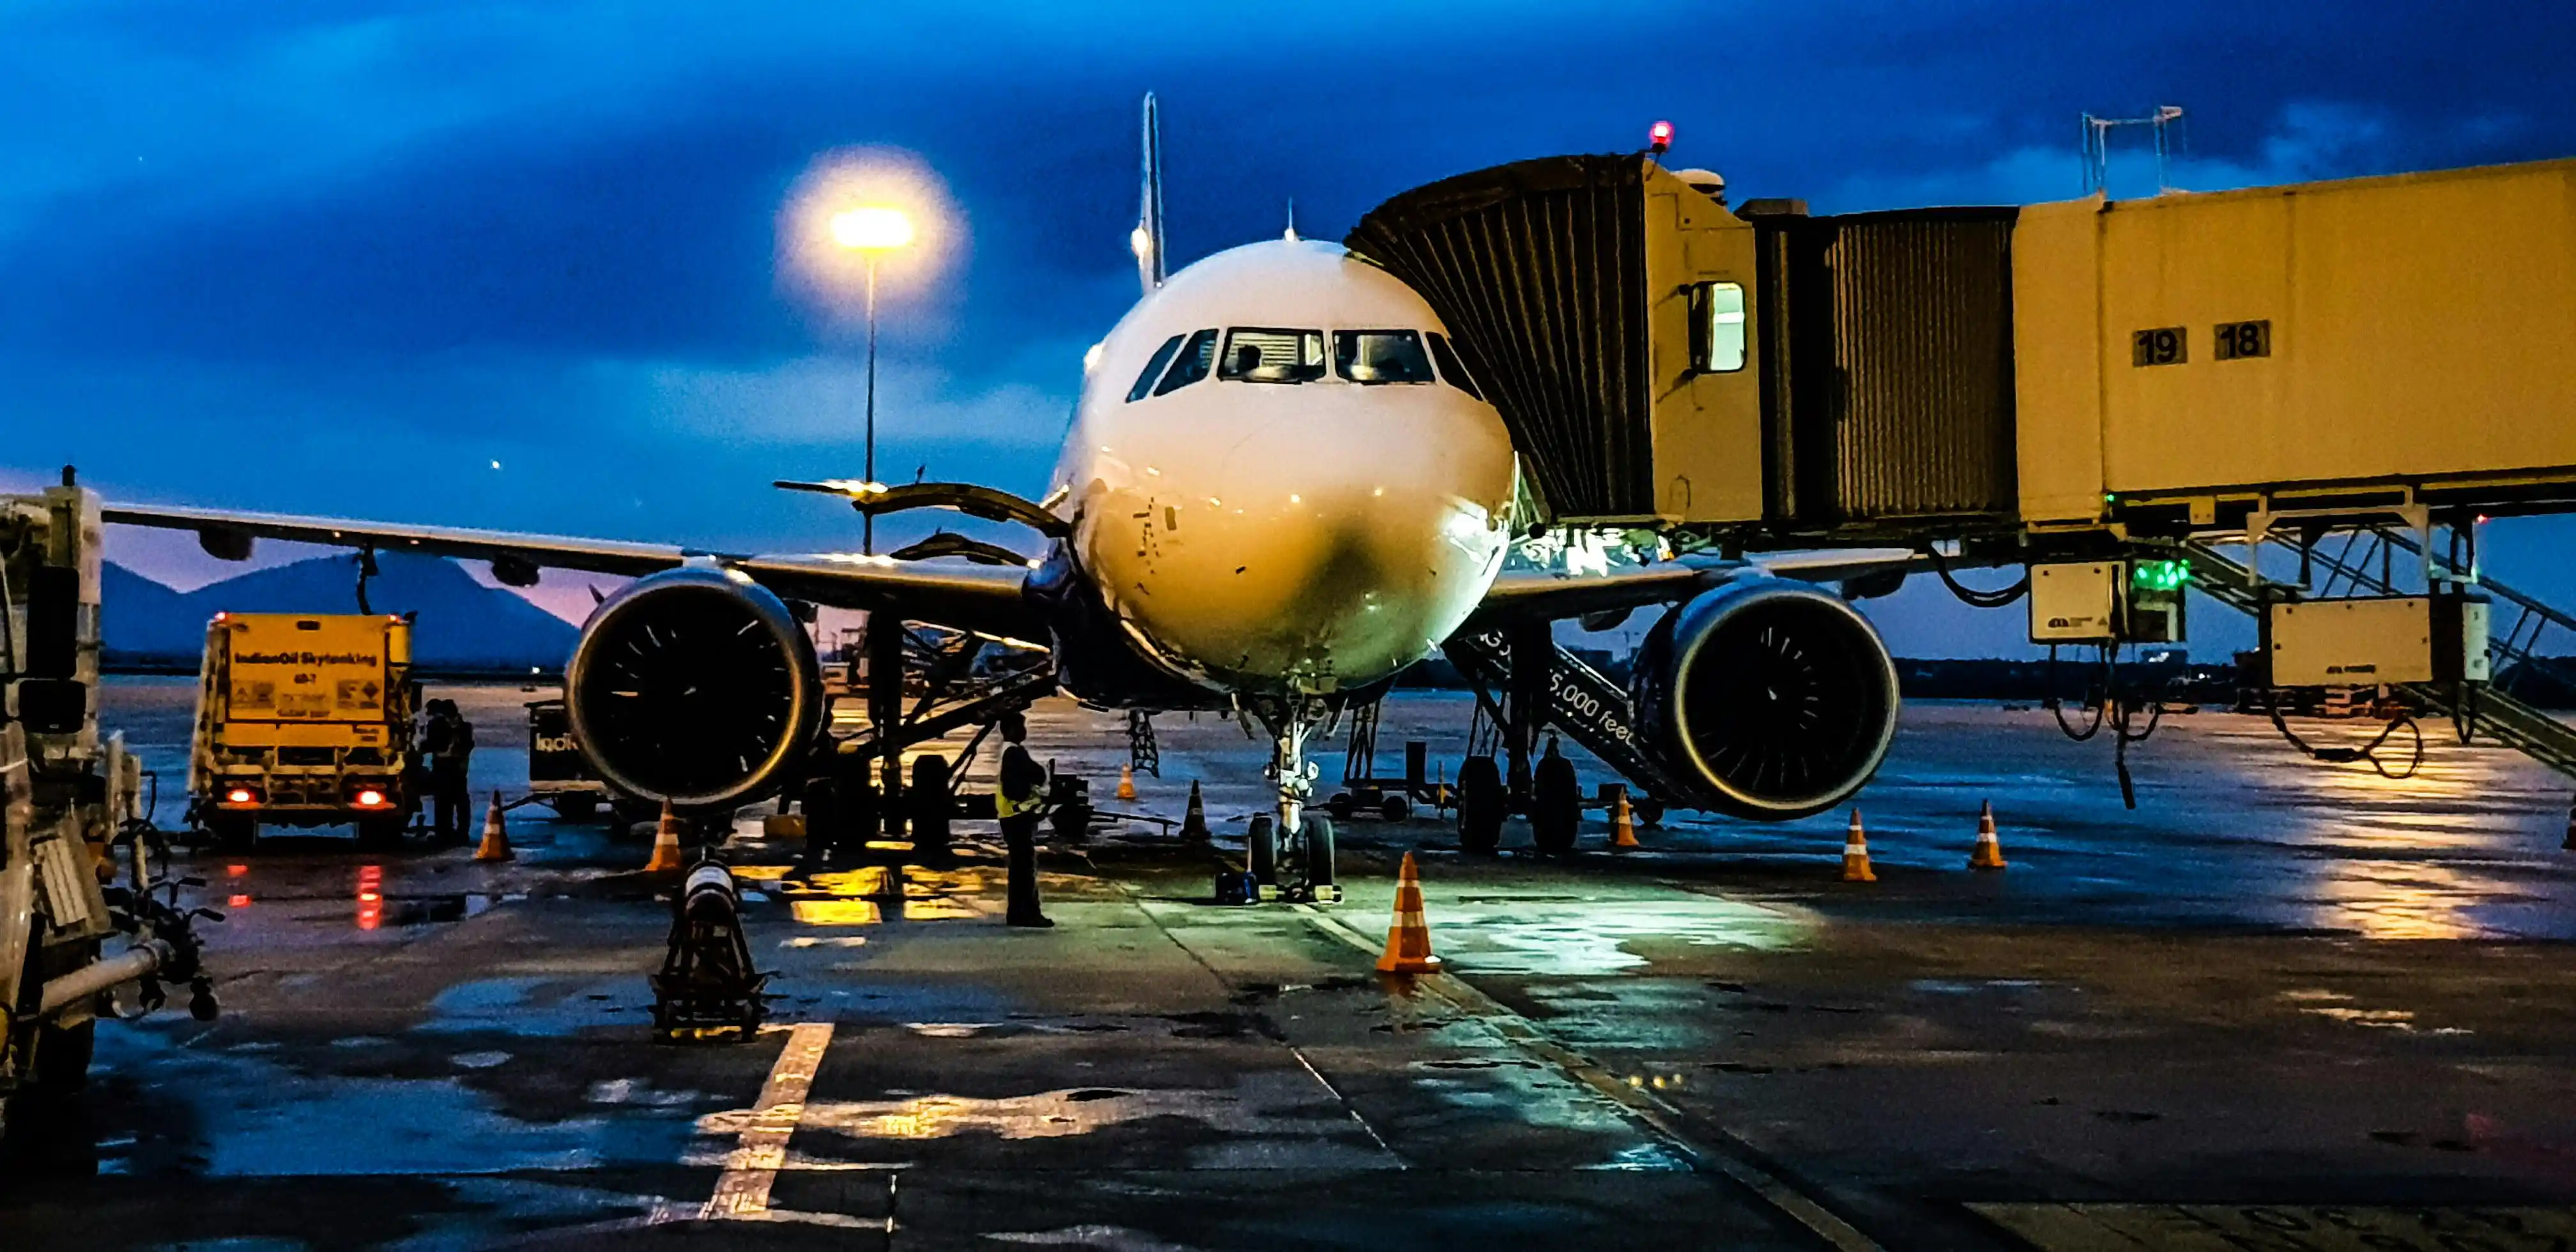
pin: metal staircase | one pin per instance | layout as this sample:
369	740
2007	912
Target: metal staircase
2365	565
1590	708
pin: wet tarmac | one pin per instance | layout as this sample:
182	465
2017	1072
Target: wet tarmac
2278	1005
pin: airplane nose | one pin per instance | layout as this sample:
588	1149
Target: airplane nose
1364	562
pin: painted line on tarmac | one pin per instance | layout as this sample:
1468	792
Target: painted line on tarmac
743	1191
1653	1110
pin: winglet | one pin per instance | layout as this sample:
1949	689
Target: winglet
1147	241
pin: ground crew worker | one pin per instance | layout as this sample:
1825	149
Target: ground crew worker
448	773
437	739
1019	793
1556	803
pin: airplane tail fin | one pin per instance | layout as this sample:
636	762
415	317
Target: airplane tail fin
1148	239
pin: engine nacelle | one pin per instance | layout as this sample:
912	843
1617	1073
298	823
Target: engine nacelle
1777	698
695	686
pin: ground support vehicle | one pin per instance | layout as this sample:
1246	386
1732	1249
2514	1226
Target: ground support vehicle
561	778
305	720
69	935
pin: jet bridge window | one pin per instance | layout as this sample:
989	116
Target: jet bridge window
1717	327
1153	369
1453	370
1263	354
1380	356
1191	365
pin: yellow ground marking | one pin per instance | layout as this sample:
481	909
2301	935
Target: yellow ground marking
743	1191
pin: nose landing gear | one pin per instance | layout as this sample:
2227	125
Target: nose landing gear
1305	840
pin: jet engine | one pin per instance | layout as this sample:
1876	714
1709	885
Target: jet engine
1776	697
696	686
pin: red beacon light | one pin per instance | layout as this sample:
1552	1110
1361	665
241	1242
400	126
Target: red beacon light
1659	138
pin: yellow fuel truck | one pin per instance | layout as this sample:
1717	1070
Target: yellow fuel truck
304	720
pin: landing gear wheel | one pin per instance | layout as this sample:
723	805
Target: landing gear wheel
1480	806
62	1057
1648	812
1395	809
1261	850
378	834
233	832
1318	835
1341	806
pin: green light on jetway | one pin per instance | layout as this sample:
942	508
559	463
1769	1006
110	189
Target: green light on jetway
2160	575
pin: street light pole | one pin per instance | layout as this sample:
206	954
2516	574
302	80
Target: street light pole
868	521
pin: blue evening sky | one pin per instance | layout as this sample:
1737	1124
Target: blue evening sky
319	257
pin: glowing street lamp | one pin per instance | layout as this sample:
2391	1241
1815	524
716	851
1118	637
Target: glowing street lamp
871	231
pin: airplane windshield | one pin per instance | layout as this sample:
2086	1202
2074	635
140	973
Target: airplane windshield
1262	354
1380	356
1192	364
1153	369
1453	369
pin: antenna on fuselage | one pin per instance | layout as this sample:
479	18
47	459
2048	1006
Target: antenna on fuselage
1147	241
1291	236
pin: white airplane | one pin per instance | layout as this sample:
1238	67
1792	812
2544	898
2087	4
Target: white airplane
1281	488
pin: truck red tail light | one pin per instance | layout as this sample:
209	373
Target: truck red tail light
240	796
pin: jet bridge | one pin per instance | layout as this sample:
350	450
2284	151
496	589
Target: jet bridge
2078	372
2374	359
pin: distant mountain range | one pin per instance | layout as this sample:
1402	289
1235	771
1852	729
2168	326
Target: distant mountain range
462	626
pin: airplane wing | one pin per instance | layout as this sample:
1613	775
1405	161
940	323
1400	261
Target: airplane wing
981	598
1536	595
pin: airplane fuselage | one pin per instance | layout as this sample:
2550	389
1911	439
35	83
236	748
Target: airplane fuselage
1278	479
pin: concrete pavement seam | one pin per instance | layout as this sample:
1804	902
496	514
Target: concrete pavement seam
1293	1049
1659	1115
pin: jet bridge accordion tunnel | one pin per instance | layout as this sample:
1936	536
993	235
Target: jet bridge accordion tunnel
1662	361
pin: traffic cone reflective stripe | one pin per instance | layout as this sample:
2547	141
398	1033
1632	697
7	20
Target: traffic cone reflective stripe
1127	782
1408	941
1856	854
1623	823
496	837
666	843
1989	853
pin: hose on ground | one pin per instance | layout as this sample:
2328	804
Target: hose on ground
2368	752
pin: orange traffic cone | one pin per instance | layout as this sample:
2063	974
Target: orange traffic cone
1623	823
1194	825
1989	853
496	837
1127	782
1856	854
1408	941
666	843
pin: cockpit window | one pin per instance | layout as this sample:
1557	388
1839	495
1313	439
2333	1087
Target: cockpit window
1380	356
1153	369
1452	369
1191	365
1261	354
